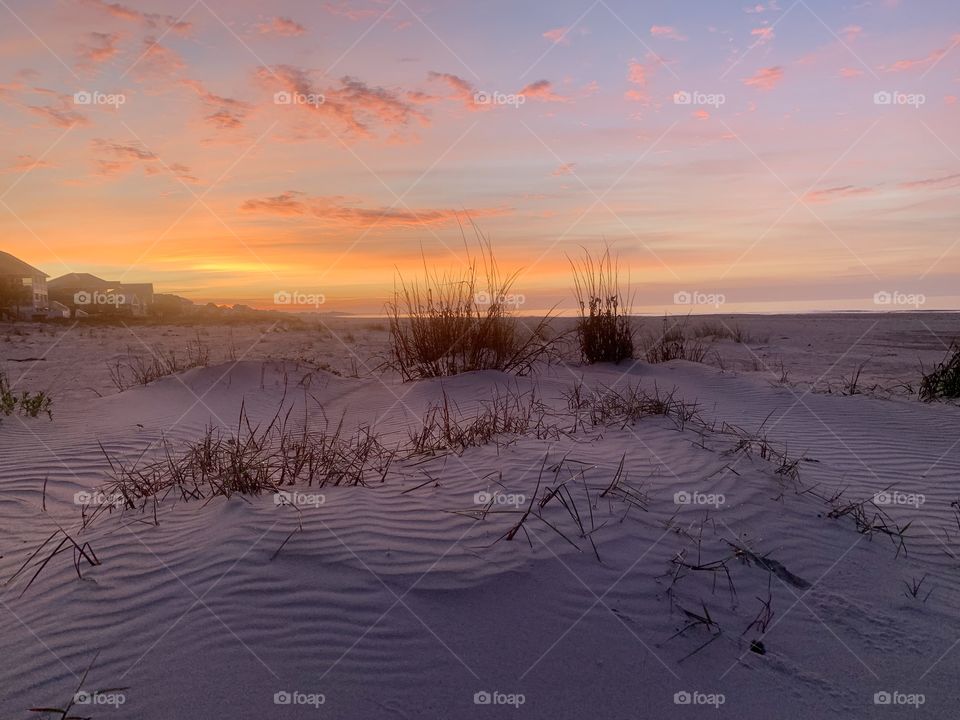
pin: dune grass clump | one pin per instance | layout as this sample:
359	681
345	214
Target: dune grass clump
674	344
604	330
253	460
450	323
944	380
138	369
508	412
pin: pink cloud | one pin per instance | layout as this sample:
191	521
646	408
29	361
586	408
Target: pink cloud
351	104
936	183
461	91
558	36
851	32
763	35
343	8
157	62
910	64
283	26
637	73
542	90
850	72
99	48
836	193
564	169
765	78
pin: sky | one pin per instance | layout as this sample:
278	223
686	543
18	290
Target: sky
777	156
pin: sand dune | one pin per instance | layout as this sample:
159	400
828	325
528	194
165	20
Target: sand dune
397	600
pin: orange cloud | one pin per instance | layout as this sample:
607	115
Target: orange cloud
99	48
336	211
63	114
151	20
225	113
115	158
765	78
118	158
27	163
157	62
564	169
850	72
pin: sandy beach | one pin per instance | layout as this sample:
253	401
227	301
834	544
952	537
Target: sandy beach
711	556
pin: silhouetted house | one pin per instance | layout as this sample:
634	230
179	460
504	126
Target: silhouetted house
93	295
23	288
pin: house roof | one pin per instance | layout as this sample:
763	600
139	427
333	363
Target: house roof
9	265
78	280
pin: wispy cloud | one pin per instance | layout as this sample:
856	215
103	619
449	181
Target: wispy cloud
667	31
345	213
765	78
153	21
828	195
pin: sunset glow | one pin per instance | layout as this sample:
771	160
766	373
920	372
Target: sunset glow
787	155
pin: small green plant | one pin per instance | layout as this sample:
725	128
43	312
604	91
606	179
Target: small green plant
944	380
604	329
25	403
